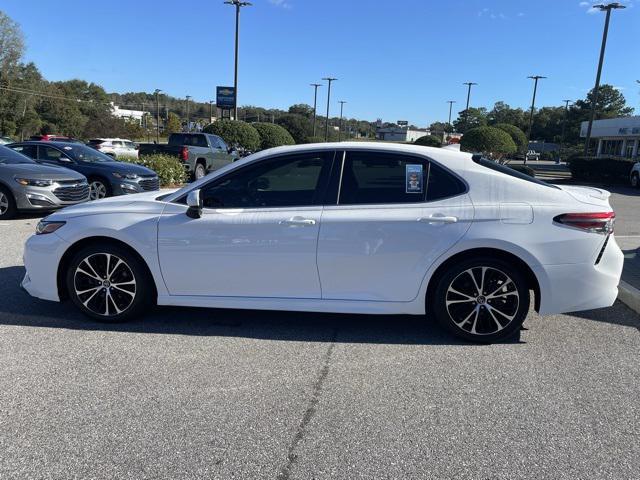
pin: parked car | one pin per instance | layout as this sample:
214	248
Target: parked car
27	186
199	152
384	229
634	176
54	138
115	147
107	177
533	155
6	140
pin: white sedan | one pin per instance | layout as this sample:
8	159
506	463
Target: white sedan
347	228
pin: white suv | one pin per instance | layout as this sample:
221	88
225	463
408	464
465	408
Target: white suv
115	147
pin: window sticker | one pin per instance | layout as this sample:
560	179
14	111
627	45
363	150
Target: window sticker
414	179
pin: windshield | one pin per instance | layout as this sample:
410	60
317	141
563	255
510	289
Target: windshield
9	157
86	154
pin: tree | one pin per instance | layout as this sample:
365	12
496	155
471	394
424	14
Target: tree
301	109
235	133
429	141
440	128
11	43
503	113
489	141
174	125
472	118
272	135
517	135
299	126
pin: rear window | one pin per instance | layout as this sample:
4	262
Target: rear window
189	139
96	141
480	160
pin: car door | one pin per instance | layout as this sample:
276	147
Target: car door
220	153
257	235
394	215
53	156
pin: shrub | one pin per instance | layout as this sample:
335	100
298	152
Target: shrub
429	141
523	169
517	135
235	133
272	135
613	169
314	140
490	141
169	169
298	126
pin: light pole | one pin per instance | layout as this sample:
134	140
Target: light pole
210	111
450	102
315	104
341	102
238	4
466	110
157	92
564	126
535	79
326	126
188	122
604	8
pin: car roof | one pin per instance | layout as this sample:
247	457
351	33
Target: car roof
49	143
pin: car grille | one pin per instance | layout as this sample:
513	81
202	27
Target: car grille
72	193
149	183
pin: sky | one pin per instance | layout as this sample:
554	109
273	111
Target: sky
394	59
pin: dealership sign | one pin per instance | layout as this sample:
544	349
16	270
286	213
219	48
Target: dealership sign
225	97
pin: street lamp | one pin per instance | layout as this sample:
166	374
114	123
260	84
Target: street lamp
535	79
188	122
564	125
341	102
238	4
315	104
210	111
326	126
450	102
603	8
466	110
157	93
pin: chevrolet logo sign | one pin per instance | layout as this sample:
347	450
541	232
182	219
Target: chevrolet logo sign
226	91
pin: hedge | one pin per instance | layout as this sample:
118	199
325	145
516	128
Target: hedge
615	169
429	141
235	133
517	135
171	172
272	135
490	141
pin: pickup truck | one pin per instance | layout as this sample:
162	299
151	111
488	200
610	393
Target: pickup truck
199	152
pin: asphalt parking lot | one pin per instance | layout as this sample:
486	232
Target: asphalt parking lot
189	393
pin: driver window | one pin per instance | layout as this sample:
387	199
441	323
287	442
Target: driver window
289	181
50	154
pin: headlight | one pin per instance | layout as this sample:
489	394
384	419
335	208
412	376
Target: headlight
45	226
128	176
32	182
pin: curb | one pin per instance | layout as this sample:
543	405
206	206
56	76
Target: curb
629	295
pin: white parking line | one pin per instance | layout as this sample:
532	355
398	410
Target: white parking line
627	236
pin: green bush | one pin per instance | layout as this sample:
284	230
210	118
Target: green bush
429	141
523	169
314	140
272	135
517	135
490	141
235	133
298	126
170	171
612	169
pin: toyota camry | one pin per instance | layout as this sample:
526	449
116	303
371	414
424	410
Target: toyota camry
347	228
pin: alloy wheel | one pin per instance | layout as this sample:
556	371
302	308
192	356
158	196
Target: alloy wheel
97	190
482	300
634	180
105	284
4	203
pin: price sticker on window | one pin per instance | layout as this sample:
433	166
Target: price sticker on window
414	179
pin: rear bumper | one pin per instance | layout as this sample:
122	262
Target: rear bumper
582	286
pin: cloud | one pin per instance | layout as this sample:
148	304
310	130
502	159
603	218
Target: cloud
485	12
281	3
584	4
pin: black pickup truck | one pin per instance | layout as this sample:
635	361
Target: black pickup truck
199	152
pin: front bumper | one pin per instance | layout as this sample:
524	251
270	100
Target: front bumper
50	198
141	184
42	255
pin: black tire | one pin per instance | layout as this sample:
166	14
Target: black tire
199	171
121	306
492	315
94	181
635	180
8	208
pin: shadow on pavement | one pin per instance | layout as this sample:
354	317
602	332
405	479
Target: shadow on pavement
18	308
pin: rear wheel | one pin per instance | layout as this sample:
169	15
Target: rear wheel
482	300
8	207
199	171
635	180
108	283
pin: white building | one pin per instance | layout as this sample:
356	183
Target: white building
401	134
618	137
134	115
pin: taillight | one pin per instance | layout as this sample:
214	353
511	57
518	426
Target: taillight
184	154
597	222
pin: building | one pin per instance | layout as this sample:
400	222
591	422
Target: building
618	137
134	115
401	134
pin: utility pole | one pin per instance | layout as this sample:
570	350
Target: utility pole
535	79
326	126
466	110
450	102
594	102
210	111
188	122
238	4
315	104
157	92
341	102
564	126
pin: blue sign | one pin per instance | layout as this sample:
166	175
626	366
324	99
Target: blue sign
225	97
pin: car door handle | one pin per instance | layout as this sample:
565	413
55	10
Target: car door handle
438	219
298	222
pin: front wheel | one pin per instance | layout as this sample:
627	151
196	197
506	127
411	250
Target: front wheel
482	300
8	208
98	189
108	283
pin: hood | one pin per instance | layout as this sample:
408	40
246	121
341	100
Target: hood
123	168
41	172
136	203
588	195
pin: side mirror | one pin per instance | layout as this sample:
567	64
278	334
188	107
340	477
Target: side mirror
194	202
